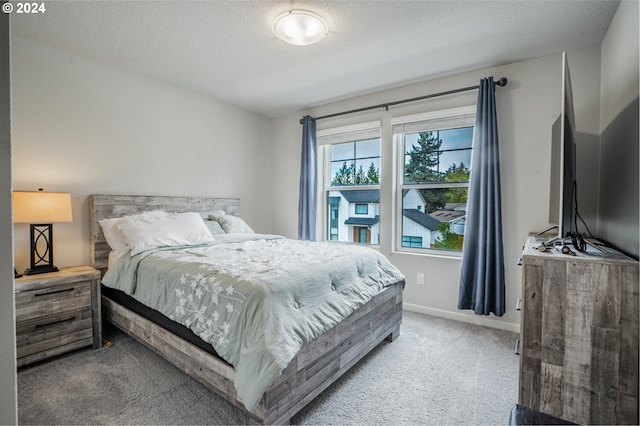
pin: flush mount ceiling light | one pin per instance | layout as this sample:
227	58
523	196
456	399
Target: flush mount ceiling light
300	27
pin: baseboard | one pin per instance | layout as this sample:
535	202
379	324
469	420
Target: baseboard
462	317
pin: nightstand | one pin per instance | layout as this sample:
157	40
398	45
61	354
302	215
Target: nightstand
57	312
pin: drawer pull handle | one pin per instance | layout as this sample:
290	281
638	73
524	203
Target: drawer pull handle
50	324
54	292
517	351
518	304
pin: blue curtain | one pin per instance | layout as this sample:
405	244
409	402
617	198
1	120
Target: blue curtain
308	179
482	286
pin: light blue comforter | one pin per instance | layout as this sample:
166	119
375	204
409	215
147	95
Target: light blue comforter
256	298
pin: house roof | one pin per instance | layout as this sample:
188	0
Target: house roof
362	196
421	218
444	215
456	206
362	221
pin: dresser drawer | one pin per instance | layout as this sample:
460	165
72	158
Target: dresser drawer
49	335
62	298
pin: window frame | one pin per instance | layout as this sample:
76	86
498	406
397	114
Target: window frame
414	122
325	138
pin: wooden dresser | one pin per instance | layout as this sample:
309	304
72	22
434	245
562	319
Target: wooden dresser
57	312
579	336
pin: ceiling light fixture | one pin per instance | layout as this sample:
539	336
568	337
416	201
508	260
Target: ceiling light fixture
300	27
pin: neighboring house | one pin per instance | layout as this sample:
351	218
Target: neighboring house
455	214
419	229
354	216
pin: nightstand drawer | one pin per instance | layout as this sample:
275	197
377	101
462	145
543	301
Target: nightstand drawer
57	312
38	338
62	298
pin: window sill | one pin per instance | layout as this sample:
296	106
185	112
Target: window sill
440	254
351	243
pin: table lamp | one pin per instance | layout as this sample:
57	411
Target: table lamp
40	209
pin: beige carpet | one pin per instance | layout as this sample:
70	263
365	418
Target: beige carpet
439	372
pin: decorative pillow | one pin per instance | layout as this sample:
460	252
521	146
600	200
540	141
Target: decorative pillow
179	229
114	236
214	226
232	224
115	255
205	215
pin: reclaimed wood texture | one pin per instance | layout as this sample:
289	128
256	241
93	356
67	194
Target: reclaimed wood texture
316	366
579	331
57	312
111	206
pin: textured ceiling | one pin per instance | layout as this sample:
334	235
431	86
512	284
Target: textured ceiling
225	49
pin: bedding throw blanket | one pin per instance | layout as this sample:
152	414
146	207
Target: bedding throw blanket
256	298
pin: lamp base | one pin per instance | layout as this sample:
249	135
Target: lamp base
41	249
41	270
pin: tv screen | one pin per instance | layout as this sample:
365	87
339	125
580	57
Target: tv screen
563	161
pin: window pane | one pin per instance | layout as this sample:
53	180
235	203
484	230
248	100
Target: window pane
342	151
456	138
355	163
368	171
368	149
362	208
455	166
354	216
438	156
435	217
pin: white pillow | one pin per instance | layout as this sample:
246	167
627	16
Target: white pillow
214	226
179	229
232	224
114	236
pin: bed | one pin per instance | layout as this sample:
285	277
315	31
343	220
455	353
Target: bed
316	365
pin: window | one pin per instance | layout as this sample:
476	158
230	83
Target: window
362	209
434	166
350	185
409	241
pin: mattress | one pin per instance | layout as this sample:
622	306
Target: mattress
158	318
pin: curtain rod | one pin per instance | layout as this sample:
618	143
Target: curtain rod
502	82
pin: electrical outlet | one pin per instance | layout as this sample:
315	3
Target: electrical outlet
420	278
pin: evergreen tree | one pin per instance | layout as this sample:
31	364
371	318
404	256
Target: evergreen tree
344	175
360	177
347	175
434	199
423	159
373	174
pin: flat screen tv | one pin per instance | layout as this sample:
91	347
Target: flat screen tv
563	161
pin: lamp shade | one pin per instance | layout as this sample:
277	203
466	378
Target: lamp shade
41	207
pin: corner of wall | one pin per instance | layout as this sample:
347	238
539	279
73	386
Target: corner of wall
8	390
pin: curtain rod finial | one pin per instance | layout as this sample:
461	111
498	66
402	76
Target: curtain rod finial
502	82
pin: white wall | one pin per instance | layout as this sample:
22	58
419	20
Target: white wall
619	87
83	127
527	108
8	387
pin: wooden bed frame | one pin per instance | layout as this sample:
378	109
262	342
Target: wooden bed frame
316	366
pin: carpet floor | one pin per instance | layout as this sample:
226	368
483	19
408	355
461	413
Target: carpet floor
438	372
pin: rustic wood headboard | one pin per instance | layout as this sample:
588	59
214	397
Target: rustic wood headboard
110	206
